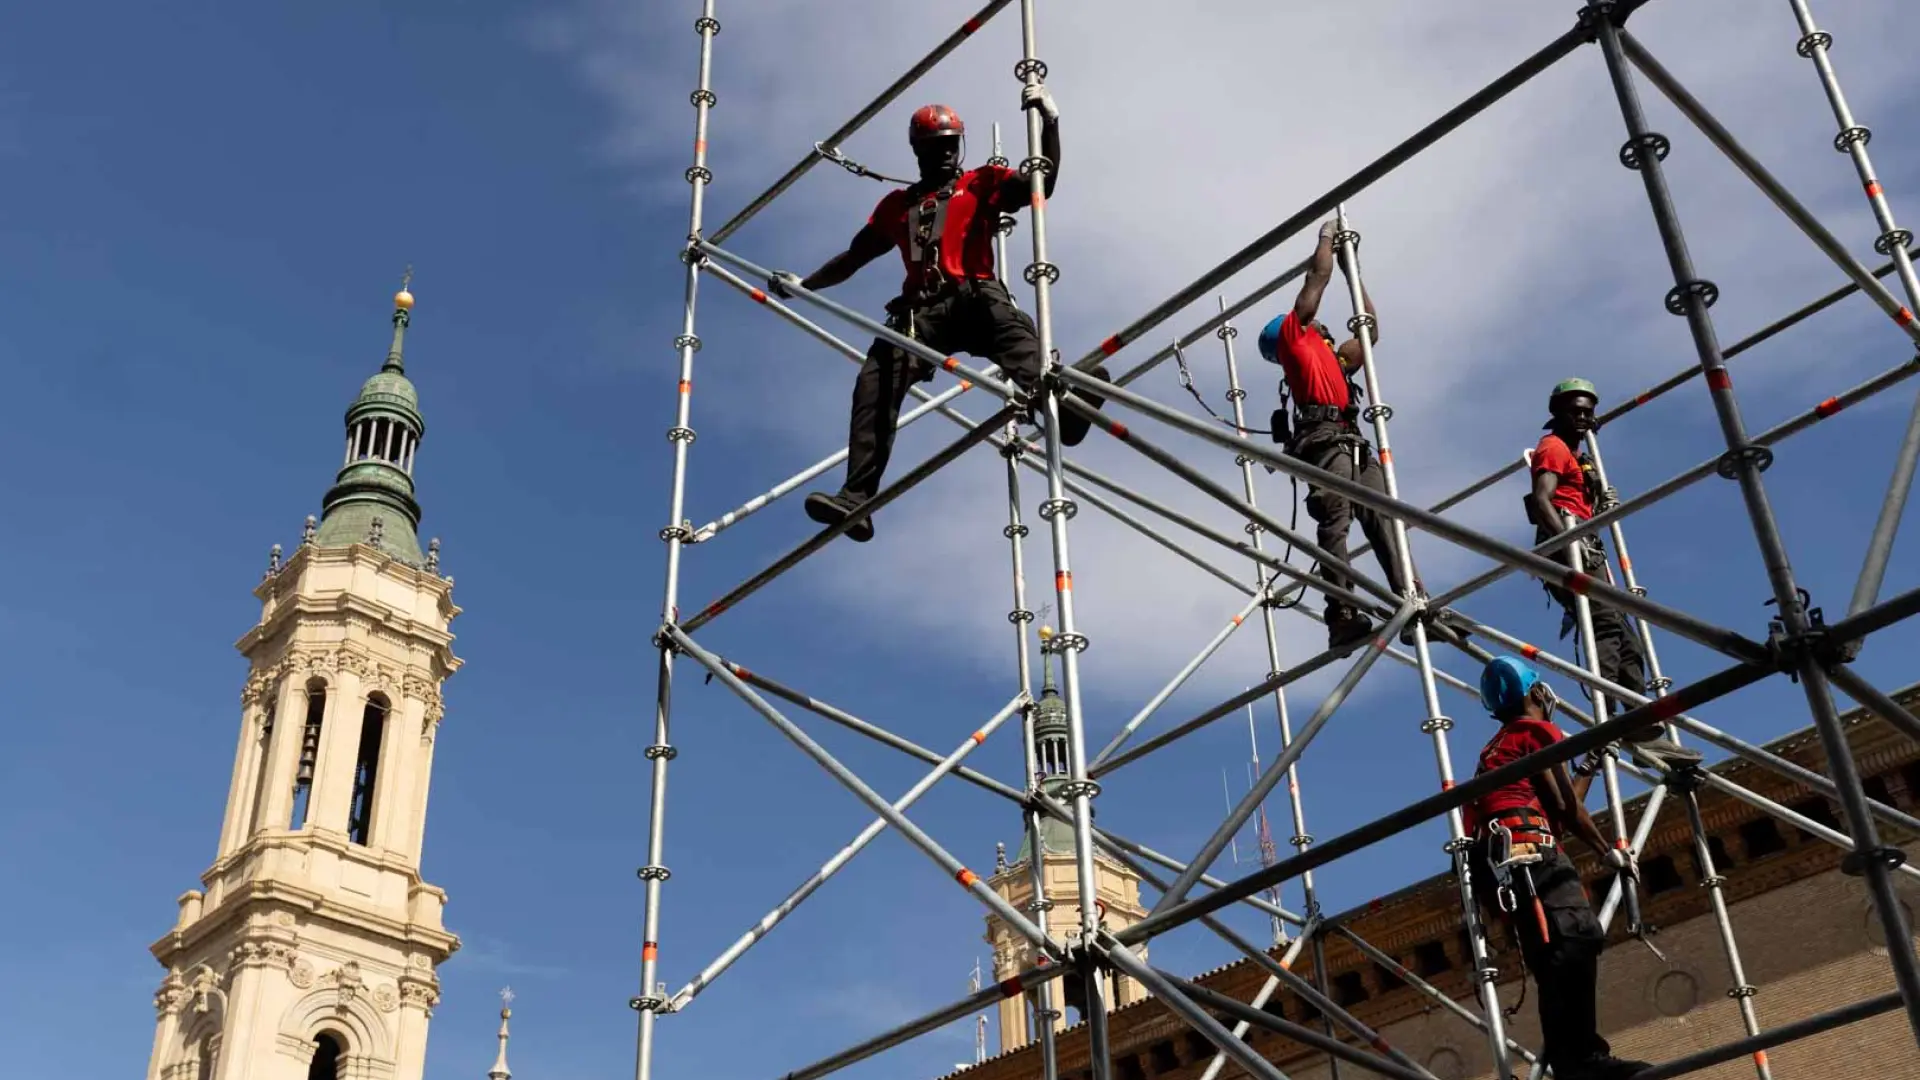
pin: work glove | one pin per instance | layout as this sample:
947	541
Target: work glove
1039	97
1328	228
777	284
1624	861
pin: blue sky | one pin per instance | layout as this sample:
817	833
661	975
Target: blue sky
208	209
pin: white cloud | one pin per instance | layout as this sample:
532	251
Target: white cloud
1515	252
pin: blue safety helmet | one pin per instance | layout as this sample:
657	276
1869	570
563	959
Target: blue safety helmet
1504	686
1270	339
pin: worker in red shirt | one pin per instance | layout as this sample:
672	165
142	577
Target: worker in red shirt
1566	491
943	225
1323	433
1520	870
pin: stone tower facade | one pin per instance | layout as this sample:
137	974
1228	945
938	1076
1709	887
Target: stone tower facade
312	949
1118	892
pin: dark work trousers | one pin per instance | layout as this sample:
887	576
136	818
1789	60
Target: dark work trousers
973	317
1566	968
1616	643
1319	443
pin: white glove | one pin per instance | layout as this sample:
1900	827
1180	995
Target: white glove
1624	861
1039	97
1328	228
777	284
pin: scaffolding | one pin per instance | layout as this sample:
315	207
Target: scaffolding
1798	642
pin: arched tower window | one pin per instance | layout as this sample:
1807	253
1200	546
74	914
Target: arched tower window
366	766
263	769
204	1071
326	1058
309	752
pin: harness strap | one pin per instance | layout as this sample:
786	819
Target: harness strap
926	227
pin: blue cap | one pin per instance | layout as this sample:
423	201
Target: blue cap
1270	339
1504	686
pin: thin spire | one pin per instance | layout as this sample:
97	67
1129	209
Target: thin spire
1046	661
402	305
500	1070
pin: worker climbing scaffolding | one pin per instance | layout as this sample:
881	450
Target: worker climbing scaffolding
1565	494
943	225
1531	884
1322	431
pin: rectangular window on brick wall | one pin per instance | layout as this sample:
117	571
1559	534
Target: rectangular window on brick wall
1131	1069
1761	837
1430	958
1910	779
1877	790
1165	1058
1659	874
1717	851
1349	989
1819	810
1198	1048
1384	980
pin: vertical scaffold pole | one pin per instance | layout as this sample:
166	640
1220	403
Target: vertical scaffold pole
1069	642
1301	840
1021	617
1437	724
1795	627
1892	241
1686	782
652	998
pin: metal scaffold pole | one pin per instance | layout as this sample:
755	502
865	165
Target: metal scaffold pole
1798	632
1852	140
1364	329
651	1000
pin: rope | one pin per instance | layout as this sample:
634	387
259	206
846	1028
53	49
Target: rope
834	155
1293	524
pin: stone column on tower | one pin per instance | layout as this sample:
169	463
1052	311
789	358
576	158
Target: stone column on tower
313	947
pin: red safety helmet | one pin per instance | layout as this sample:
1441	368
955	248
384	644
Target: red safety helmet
934	121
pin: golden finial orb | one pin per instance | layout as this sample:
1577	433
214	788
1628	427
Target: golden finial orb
403	300
1046	634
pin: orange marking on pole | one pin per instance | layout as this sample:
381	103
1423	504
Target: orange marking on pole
1381	1045
1236	620
686	386
1620	843
699	147
1643	398
965	877
966	384
1529	651
1117	430
1063	581
1446	785
1905	318
979	737
1873	192
758	296
1111	345
649	951
949	363
1827	408
1626	564
1760	1058
970	26
1009	987
1719	379
1386	456
741	671
1039	201
1578	583
1665	708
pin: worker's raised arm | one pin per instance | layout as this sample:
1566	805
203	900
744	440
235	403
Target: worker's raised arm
1306	306
867	245
1014	193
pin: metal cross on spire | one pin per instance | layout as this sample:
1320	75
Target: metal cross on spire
506	997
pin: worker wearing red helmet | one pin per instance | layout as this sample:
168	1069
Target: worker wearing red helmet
943	226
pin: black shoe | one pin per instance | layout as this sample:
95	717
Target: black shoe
1073	426
1604	1068
1666	754
1345	629
831	510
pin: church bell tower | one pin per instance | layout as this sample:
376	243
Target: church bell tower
311	951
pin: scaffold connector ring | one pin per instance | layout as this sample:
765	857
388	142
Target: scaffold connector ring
663	639
1856	862
999	161
1017	531
1652	142
703	97
1380	411
1893	238
699	174
680	434
1253	528
1035	271
1745	990
1007	222
1038	162
1301	840
661	750
647	1004
1020	615
1819	39
1226	331
1436	723
706	24
1064	641
1455	847
1858	133
1677	296
1074	789
653	873
1363	319
1344	237
1031	65
687	341
1058	506
1759	458
1714	882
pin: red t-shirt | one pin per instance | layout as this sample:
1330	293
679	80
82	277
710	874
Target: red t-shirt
1555	456
980	196
1516	739
1313	372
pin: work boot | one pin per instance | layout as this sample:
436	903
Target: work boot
1347	628
1073	426
1664	752
1606	1067
831	510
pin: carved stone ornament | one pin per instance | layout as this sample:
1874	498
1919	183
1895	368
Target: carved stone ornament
414	686
262	954
346	979
386	998
171	995
283	919
301	974
254	691
354	663
421	996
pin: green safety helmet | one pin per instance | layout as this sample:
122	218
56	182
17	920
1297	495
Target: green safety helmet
1570	386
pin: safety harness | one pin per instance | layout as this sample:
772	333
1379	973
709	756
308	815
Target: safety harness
926	229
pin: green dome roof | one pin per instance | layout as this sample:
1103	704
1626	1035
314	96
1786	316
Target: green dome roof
372	498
